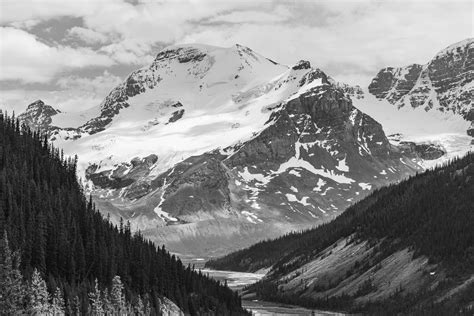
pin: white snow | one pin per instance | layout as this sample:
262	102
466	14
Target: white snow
420	126
319	185
365	186
297	162
342	166
251	217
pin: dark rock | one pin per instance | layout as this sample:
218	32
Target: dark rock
302	64
176	116
38	116
394	83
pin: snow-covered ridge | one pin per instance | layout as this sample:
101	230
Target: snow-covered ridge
190	100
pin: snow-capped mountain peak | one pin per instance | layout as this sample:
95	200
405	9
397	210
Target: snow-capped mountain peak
206	141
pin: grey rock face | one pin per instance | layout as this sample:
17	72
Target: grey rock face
393	83
38	115
443	84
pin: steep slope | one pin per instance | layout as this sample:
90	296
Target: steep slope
405	248
51	226
210	149
444	84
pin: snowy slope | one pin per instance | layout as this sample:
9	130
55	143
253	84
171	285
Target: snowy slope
227	96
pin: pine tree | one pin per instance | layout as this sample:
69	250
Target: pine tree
107	304
57	304
12	290
38	296
96	301
117	296
139	308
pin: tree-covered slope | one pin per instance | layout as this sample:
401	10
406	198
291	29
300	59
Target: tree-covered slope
425	223
54	230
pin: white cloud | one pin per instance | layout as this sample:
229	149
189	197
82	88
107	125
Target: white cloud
356	40
279	14
88	36
24	58
71	93
350	40
99	85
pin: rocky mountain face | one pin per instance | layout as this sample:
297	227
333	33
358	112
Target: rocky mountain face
210	149
38	115
444	84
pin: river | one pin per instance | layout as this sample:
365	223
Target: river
237	280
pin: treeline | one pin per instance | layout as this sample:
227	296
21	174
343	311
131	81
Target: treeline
54	230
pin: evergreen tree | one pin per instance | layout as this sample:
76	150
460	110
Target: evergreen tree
117	296
38	296
96	303
57	304
12	290
139	308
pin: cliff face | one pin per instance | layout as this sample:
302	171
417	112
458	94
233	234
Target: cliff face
444	84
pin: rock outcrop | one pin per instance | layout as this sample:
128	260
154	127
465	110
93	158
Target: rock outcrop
444	84
38	115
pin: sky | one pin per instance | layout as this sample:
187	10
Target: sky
71	53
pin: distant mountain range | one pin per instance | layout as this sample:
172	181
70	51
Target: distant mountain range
212	149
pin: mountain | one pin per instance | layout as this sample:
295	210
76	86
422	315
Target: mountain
444	84
38	115
406	248
211	149
54	237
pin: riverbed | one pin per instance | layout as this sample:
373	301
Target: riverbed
238	280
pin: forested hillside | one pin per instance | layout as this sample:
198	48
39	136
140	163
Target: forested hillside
430	215
56	245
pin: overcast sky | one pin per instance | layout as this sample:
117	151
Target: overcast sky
71	53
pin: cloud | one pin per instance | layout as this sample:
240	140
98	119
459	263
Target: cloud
26	59
278	14
100	85
362	36
88	36
350	40
70	93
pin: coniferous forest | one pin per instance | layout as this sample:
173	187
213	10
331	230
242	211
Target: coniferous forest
58	255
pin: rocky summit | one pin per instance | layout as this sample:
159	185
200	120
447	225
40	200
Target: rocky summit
444	84
211	149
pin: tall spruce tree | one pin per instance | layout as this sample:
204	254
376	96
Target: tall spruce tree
38	296
57	303
97	308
